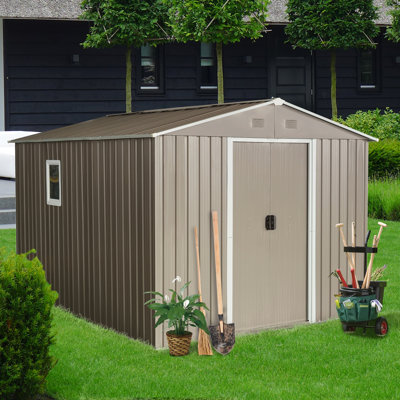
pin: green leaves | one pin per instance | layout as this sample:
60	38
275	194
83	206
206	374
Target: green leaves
180	312
124	23
393	31
26	301
217	21
326	24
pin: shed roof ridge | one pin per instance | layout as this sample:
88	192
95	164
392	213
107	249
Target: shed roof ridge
195	107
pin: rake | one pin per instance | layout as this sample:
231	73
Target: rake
204	345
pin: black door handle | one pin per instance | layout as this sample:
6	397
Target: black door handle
270	222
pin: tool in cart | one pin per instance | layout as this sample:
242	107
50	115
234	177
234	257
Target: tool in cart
367	278
341	278
350	260
358	306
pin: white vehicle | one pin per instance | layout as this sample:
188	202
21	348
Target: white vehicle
7	152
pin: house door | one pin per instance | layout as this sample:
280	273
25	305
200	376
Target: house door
269	265
289	71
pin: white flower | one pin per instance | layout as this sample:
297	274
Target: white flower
178	279
166	298
185	303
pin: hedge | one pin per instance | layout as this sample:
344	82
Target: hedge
380	124
26	302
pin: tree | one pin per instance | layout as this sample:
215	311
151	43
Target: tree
331	25
127	23
219	22
393	32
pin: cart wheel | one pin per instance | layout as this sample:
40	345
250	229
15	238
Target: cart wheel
381	326
348	328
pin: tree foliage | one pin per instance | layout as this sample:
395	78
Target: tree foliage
217	21
123	22
331	25
127	23
393	31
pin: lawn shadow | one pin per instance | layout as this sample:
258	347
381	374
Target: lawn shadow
393	319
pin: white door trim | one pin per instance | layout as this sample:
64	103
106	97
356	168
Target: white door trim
311	228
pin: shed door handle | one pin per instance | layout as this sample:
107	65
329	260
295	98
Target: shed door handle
270	222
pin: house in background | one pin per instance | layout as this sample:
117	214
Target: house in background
50	81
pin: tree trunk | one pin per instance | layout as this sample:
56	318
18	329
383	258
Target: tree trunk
128	80
333	84
220	74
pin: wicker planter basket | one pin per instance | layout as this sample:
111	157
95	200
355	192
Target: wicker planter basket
179	344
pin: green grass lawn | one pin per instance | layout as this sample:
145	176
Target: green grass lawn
7	239
307	362
384	199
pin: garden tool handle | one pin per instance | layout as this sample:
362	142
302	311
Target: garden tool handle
340	226
367	278
353	242
196	238
382	225
342	278
218	270
354	279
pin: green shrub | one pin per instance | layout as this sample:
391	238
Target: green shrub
26	302
381	124
384	159
384	199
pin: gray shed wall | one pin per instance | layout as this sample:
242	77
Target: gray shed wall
97	248
128	212
190	182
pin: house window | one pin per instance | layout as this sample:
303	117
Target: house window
150	68
367	69
53	182
208	66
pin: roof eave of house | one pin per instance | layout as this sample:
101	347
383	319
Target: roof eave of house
71	10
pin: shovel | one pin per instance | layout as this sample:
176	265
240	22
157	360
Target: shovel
222	335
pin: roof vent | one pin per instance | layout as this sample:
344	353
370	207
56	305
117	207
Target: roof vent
291	124
257	123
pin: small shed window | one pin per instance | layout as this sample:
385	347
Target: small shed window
367	69
149	68
53	182
208	66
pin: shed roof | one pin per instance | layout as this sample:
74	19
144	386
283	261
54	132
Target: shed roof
153	123
70	10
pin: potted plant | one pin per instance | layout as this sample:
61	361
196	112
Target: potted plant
180	312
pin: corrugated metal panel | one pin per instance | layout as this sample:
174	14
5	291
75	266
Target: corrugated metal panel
98	247
189	184
342	190
129	206
139	123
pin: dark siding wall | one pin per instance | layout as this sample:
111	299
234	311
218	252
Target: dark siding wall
46	90
349	97
98	247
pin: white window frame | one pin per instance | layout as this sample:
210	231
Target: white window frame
50	201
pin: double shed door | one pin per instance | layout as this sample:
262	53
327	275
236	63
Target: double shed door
269	266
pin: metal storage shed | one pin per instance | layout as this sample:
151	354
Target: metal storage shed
128	190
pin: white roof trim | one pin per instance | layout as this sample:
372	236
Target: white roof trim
204	121
283	102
